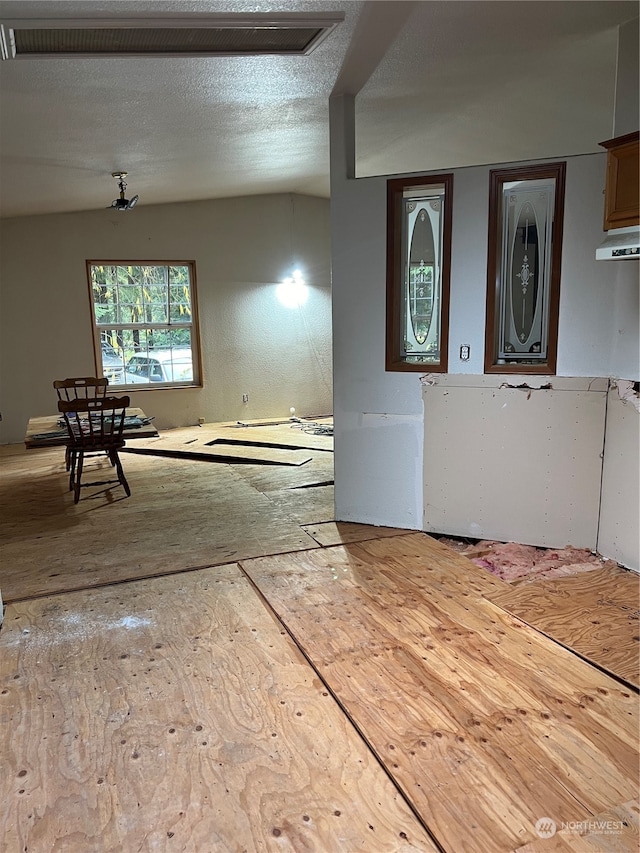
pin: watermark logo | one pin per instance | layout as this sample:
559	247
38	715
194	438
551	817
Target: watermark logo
545	827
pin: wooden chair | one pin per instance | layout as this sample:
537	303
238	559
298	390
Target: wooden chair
94	425
79	388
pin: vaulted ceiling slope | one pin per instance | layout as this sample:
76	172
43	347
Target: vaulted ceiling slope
438	85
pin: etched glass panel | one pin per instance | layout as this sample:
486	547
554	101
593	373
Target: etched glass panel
422	228
525	270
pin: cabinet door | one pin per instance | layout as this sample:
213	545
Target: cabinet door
623	178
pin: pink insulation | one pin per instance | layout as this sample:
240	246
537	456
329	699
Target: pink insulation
513	562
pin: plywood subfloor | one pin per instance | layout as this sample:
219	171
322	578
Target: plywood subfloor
341	532
176	715
204	444
180	515
485	724
596	613
312	506
291	434
317	472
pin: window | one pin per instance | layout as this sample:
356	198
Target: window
523	272
145	323
418	261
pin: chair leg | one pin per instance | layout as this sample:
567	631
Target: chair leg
78	474
73	458
115	460
67	457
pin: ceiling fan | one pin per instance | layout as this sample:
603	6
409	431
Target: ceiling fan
123	203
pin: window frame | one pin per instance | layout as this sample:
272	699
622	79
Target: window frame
396	187
497	178
194	325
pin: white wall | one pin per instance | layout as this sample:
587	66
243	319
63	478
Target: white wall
379	459
619	530
251	344
627	106
515	458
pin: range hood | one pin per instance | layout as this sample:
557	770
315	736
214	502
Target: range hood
620	244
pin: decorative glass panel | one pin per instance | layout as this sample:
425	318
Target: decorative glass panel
525	236
526	263
418	259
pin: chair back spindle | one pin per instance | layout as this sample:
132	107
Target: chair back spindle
94	424
81	387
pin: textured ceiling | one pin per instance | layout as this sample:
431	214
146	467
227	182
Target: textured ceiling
438	84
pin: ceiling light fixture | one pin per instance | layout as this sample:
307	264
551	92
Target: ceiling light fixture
122	203
293	292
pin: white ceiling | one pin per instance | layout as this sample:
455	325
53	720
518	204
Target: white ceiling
439	84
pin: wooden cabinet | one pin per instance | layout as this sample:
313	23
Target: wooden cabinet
621	207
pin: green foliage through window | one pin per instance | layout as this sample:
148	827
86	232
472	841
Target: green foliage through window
143	309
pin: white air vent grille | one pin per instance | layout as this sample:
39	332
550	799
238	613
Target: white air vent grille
239	35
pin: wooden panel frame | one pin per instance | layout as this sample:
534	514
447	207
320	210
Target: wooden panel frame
196	346
497	177
395	190
621	209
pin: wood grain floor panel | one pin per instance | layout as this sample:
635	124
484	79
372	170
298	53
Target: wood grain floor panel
319	471
472	712
314	506
180	515
596	613
340	532
201	445
175	714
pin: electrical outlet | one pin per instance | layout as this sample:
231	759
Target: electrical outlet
245	398
465	352
200	420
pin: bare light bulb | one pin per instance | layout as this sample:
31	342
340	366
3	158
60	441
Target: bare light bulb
293	292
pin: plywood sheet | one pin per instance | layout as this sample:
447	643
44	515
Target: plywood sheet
472	712
197	451
317	472
596	613
298	435
340	532
306	507
180	515
176	714
45	431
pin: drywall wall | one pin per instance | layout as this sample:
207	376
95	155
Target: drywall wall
379	415
251	344
520	464
619	531
627	106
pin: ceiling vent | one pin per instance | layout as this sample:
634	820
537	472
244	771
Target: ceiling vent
231	35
